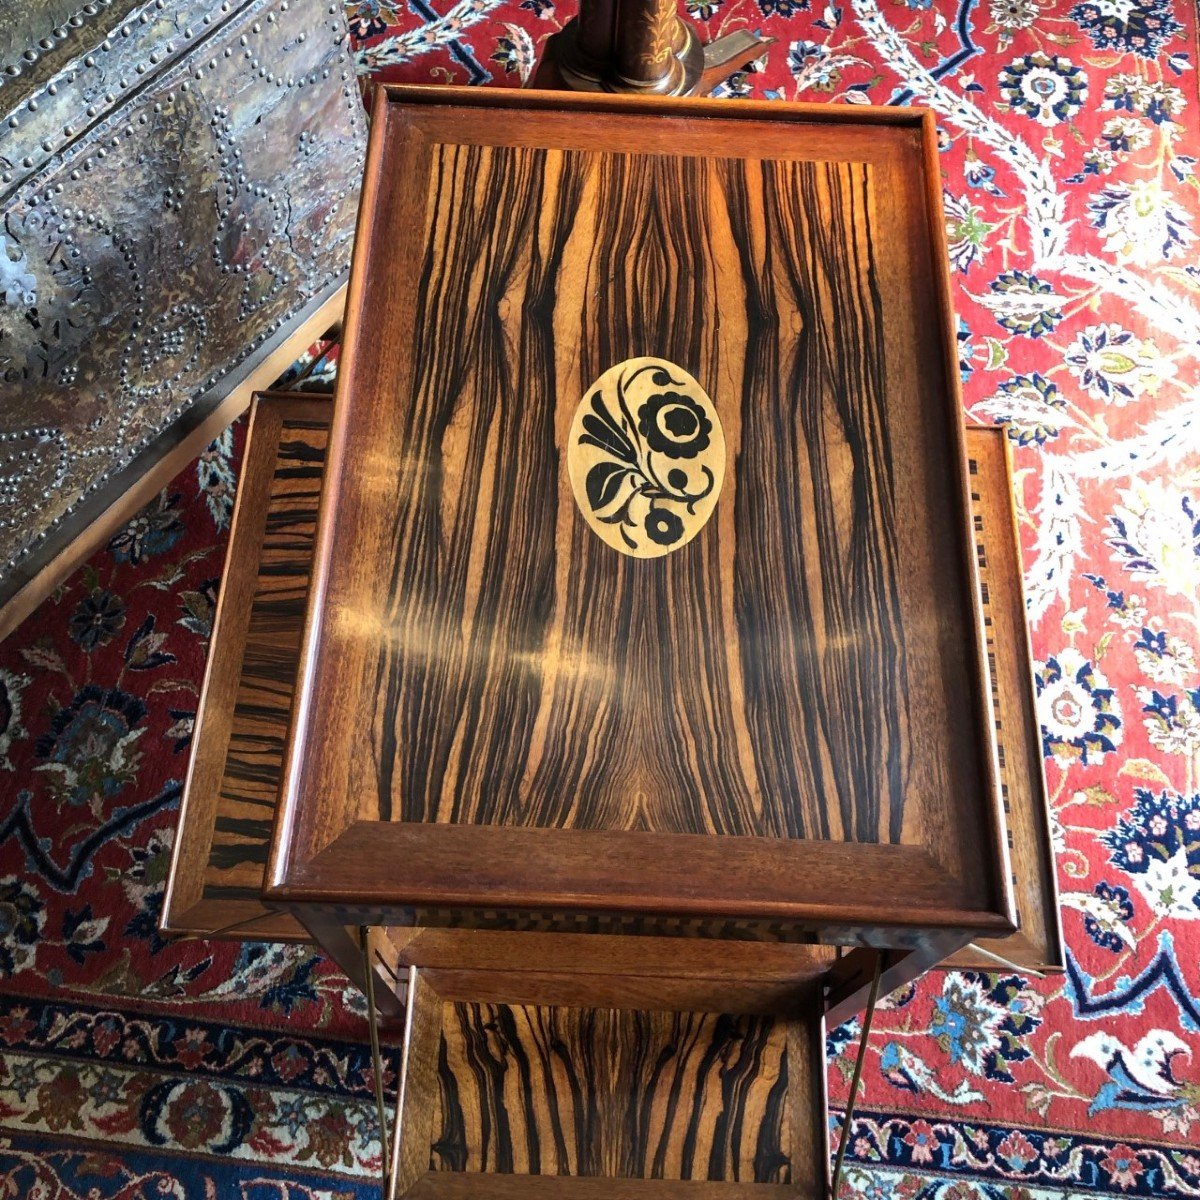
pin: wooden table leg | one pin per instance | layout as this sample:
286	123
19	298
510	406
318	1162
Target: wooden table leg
850	977
341	944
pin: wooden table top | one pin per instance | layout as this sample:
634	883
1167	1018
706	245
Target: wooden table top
722	332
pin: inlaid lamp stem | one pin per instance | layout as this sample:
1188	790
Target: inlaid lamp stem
656	50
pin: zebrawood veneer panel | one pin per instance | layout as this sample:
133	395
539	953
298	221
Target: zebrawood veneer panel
250	790
232	792
287	456
531	1100
597	1092
712	700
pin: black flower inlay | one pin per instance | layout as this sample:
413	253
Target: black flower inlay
631	486
674	424
664	527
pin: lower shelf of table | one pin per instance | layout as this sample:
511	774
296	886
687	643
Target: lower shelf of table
532	1100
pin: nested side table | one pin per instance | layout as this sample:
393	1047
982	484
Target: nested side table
644	670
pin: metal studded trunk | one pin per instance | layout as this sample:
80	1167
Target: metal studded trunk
178	188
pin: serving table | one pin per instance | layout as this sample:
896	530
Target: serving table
629	673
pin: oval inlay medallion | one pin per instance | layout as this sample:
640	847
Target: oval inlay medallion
646	457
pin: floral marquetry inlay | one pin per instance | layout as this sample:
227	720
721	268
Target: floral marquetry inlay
646	457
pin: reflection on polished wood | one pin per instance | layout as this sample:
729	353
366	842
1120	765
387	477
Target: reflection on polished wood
758	685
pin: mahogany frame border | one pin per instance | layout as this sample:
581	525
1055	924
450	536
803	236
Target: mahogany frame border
603	873
337	880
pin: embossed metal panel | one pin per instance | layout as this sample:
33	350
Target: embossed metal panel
179	185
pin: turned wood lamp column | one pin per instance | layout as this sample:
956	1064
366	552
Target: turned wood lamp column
641	46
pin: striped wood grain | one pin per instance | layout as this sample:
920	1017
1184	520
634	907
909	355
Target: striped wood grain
479	669
250	788
232	793
249	793
619	1094
755	683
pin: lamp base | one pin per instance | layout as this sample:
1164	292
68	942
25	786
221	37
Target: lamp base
693	70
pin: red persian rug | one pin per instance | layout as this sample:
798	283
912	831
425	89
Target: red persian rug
131	1069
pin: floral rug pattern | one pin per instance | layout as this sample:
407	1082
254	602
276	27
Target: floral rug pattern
1070	139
